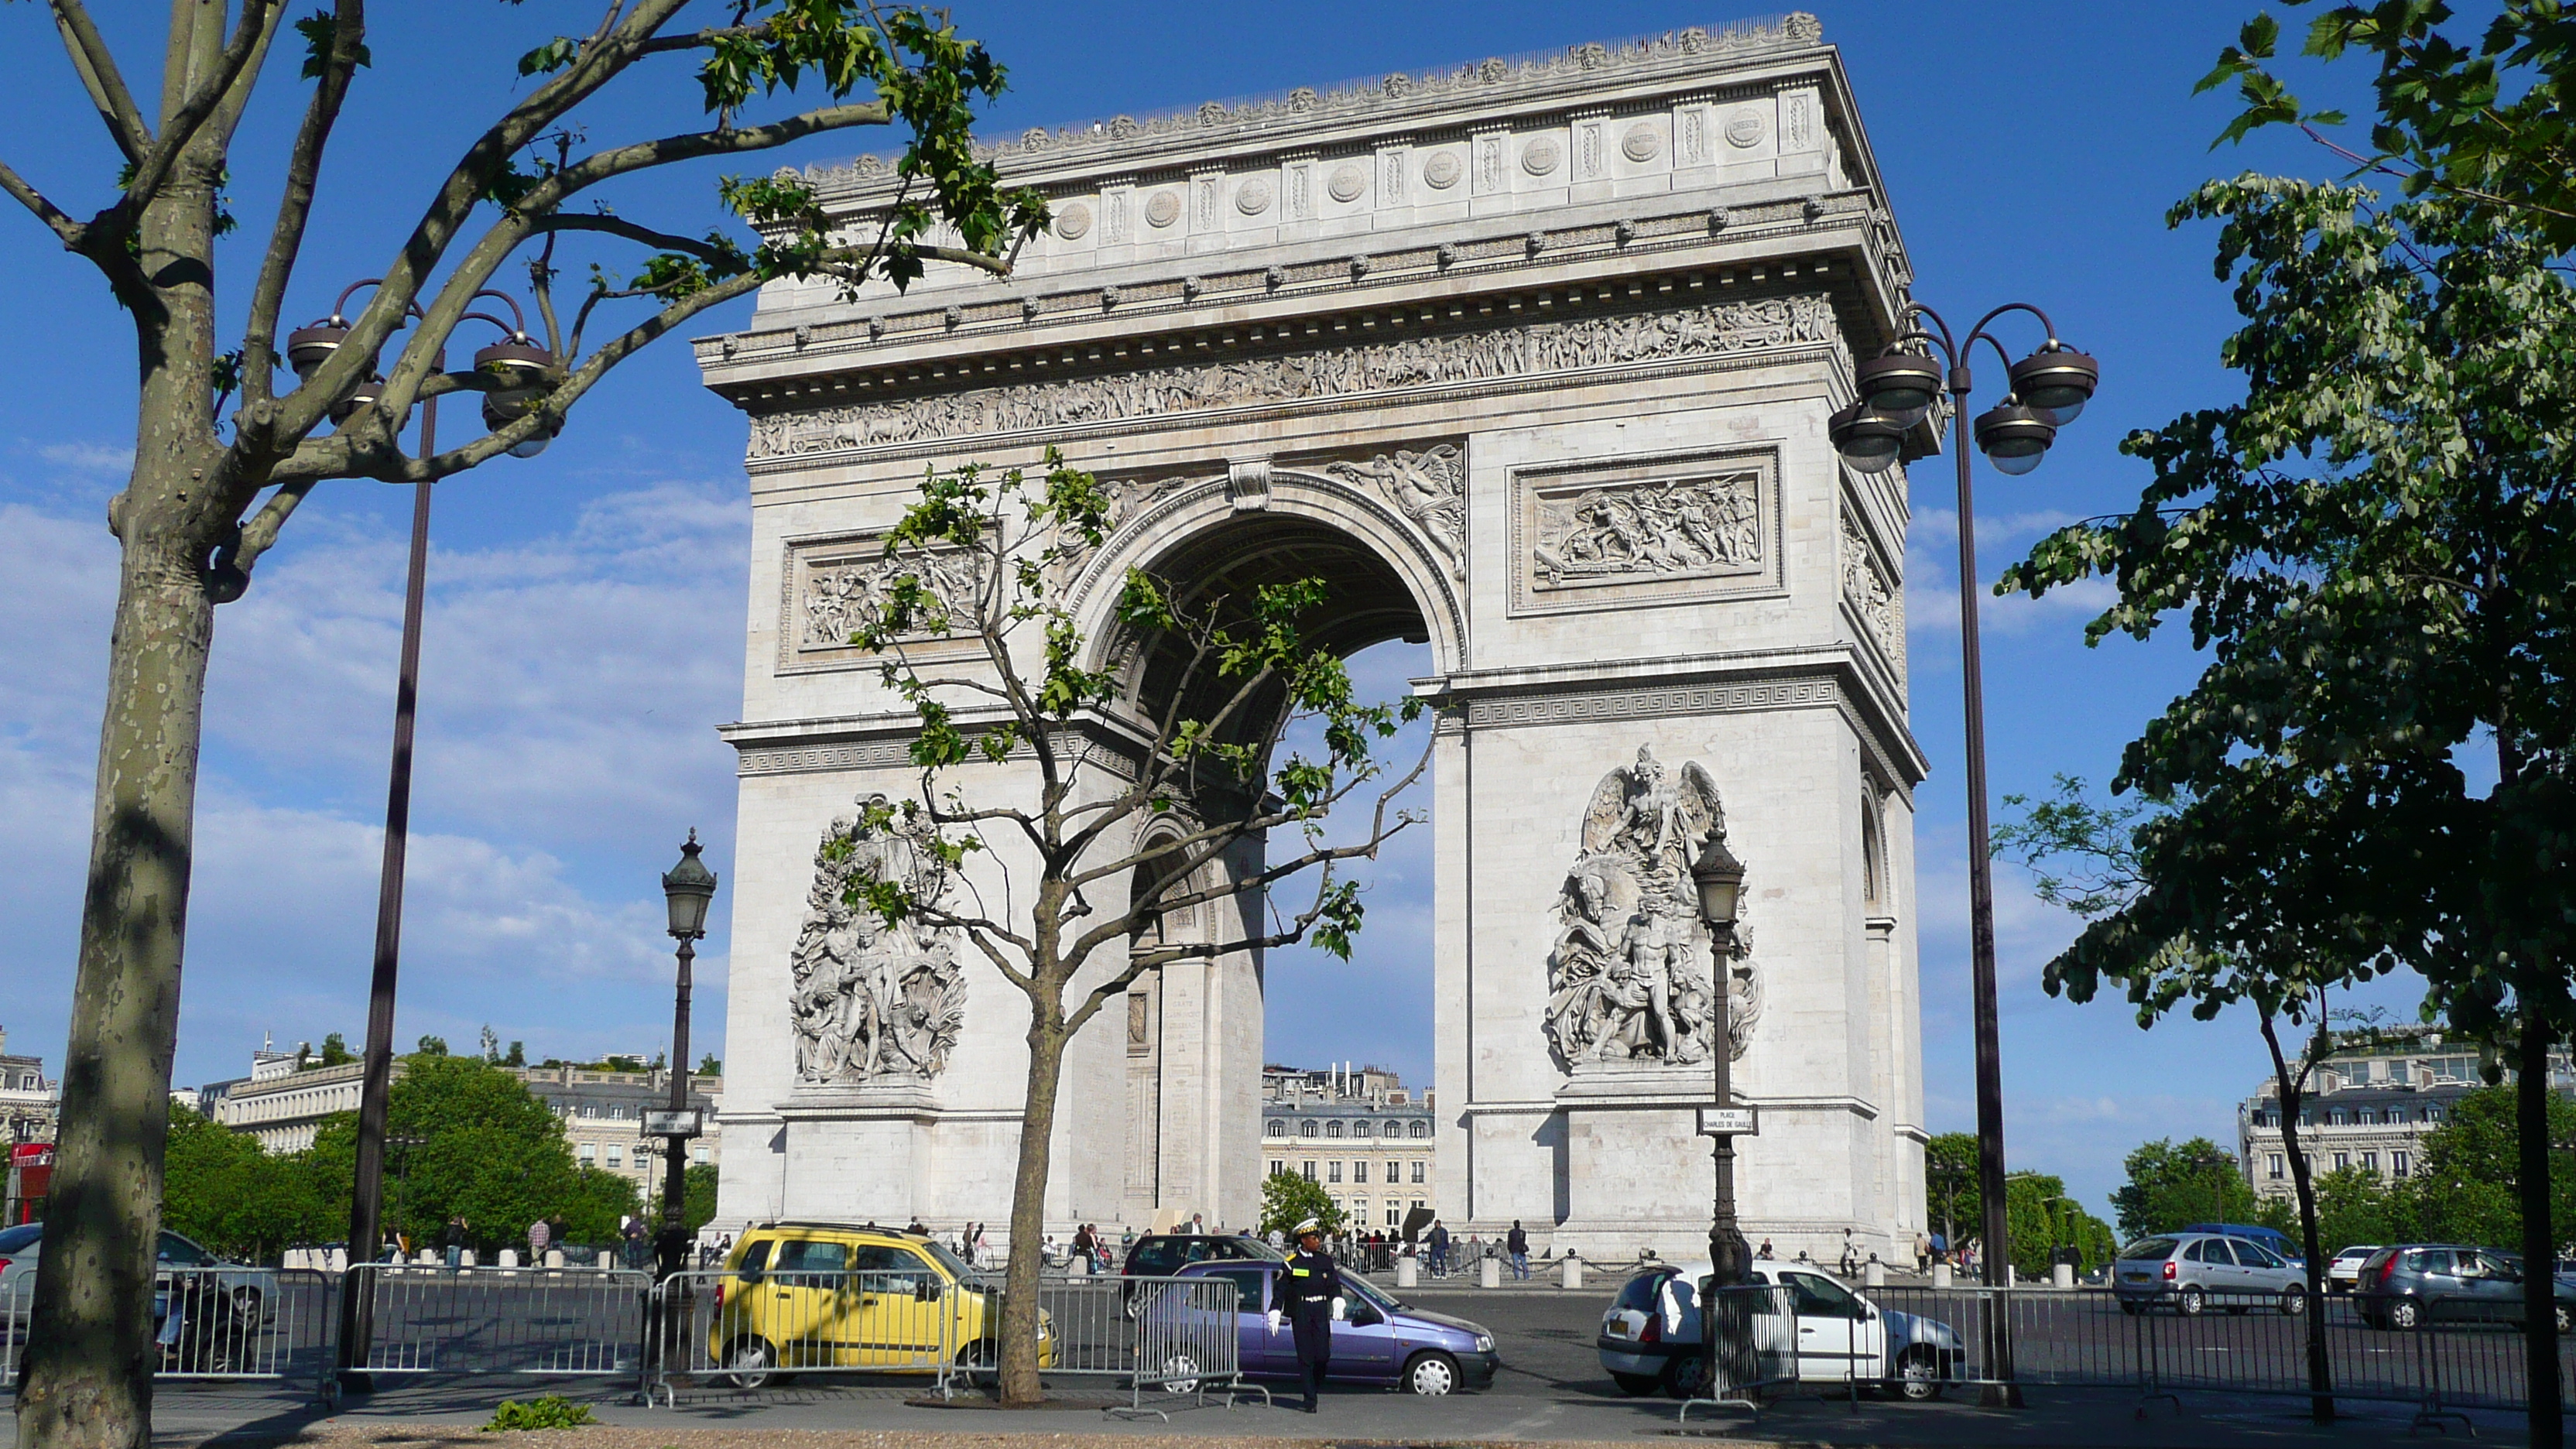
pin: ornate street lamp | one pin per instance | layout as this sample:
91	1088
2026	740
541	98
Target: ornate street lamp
1719	878
1897	389
687	889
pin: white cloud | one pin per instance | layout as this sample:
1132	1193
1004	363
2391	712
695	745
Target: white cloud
1932	580
89	457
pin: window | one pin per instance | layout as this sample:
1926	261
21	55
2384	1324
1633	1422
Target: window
589	1153
2276	1166
1359	1129
1417	1176
1306	1169
1359	1170
1277	1167
2342	1161
2335	1118
1276	1128
2370	1162
1394	1216
1332	1129
613	1152
1305	1129
2432	1114
1333	1171
1248	1283
2397	1164
1420	1129
704	1154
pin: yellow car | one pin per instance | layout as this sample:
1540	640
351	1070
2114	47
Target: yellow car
799	1295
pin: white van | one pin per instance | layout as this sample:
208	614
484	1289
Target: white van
1650	1335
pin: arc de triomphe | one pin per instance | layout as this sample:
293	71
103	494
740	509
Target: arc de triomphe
1532	361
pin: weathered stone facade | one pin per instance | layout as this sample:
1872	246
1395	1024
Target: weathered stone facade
1532	360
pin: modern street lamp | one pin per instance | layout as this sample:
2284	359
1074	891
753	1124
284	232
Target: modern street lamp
687	888
1897	391
1719	878
512	368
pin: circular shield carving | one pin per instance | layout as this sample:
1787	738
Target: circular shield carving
1162	209
1253	197
1347	184
1441	170
1743	130
1641	144
1539	157
1073	221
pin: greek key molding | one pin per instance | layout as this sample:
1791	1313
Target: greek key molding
1818	692
810	759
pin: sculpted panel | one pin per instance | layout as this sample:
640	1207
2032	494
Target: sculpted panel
1877	602
1428	487
1686	528
840	594
1628	980
873	1002
1713	330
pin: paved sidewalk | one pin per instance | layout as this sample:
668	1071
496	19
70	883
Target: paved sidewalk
433	1415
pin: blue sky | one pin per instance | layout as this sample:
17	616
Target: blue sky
584	626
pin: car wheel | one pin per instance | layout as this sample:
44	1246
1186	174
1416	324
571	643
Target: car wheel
246	1306
2562	1318
1180	1374
1634	1385
2404	1314
750	1363
1133	1303
1431	1375
2192	1302
1686	1376
1918	1374
2293	1302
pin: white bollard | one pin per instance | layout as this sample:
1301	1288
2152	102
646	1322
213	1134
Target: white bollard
1570	1273
339	1260
509	1257
607	1259
1940	1275
465	1258
1408	1273
2012	1278
1874	1275
554	1257
2062	1276
431	1258
1078	1266
1489	1273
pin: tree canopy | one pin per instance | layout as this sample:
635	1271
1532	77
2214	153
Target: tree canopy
2173	1184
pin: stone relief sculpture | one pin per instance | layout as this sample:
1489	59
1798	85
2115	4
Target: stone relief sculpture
843	596
1628	980
1675	529
1867	590
1429	487
1713	330
873	1003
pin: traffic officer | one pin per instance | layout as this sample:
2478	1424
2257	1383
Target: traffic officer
1311	1295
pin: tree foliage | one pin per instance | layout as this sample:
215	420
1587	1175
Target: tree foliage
1045	767
1289	1198
2171	1184
219	1188
2040	1220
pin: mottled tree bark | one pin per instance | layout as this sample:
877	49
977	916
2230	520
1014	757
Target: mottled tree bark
1019	1330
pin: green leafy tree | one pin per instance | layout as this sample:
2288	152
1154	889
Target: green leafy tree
219	1188
480	1144
2481	118
2357	1206
2374	549
517	1056
2173	1184
1953	1191
1289	1198
710	1066
698	1195
431	1046
2040	1219
1043	780
209	494
2467	1186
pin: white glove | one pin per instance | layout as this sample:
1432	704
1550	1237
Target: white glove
1337	1310
1272	1317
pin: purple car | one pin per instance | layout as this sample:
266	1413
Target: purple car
1380	1340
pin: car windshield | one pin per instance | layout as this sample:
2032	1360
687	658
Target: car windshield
939	1252
2147	1249
18	1239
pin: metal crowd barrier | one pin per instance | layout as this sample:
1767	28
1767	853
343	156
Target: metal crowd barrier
549	1321
747	1329
2244	1343
212	1323
1755	1329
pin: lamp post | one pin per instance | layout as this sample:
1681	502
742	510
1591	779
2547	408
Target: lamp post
1897	390
687	888
511	375
1719	878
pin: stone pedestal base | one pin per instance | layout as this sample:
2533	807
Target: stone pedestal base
1637	1174
858	1154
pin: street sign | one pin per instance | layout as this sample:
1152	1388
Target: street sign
667	1123
1728	1122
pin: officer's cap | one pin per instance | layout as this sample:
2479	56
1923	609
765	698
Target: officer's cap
1309	1225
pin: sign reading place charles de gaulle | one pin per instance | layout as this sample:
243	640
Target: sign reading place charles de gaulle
1728	1122
667	1123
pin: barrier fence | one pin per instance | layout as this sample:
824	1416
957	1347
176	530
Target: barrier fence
548	1321
1755	1328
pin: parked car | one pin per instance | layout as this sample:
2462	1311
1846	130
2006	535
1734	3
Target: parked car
1650	1335
1164	1255
2280	1243
2412	1284
2345	1267
1379	1340
811	1295
2191	1272
249	1292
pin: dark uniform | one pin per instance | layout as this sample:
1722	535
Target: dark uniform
1308	1287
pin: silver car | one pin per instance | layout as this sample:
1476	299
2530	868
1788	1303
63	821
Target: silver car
1650	1335
251	1293
2193	1272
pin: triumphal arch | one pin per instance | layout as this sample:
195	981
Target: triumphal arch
1532	361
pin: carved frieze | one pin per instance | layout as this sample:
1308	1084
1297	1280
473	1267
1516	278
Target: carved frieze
1587	342
1645	530
1428	486
838	590
873	1002
1877	601
1628	979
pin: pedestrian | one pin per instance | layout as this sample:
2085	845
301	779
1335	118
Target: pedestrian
1850	1263
539	1234
1517	1244
1765	1253
1922	1254
1311	1298
639	1250
453	1240
1439	1249
1082	1242
1197	1227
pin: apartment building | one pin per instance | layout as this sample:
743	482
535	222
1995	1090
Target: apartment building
2370	1105
1358	1131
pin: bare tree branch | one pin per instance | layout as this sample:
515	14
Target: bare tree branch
96	65
75	235
179	129
286	234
